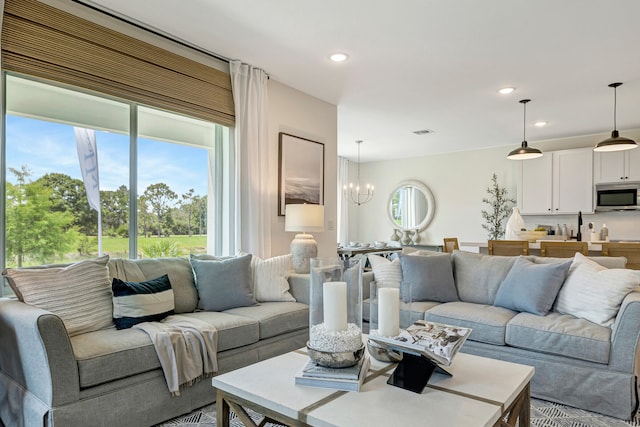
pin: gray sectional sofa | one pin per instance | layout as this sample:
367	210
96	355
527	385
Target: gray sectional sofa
577	362
113	377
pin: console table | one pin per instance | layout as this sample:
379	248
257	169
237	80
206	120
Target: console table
348	252
427	246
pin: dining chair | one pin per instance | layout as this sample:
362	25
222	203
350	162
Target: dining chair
563	249
629	250
450	244
508	247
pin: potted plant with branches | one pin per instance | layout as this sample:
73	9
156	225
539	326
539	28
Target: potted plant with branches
500	208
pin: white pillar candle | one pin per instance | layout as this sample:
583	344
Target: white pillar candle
388	312
334	295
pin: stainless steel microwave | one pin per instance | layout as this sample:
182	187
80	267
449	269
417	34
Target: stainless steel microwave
618	197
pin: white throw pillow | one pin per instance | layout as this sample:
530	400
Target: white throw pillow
270	278
80	293
387	274
594	292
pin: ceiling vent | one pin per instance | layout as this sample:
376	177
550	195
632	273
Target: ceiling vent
423	131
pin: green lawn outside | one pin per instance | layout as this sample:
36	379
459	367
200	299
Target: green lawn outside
118	247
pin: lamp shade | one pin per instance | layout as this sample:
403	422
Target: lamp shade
616	143
524	152
303	217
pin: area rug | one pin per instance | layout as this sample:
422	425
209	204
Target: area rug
543	414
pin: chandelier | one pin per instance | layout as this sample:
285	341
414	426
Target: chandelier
355	193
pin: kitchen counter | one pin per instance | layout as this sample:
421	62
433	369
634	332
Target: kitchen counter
595	248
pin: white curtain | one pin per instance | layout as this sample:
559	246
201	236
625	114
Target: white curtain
343	201
253	231
2	232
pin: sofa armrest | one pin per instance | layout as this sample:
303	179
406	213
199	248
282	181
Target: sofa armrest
625	334
36	353
299	287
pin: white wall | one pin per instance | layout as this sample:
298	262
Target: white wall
299	114
459	182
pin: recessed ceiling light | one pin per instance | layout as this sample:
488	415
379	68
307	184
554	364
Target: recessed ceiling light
339	57
540	123
506	90
423	132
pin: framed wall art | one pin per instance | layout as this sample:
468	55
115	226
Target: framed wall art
300	171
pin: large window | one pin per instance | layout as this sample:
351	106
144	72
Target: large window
166	160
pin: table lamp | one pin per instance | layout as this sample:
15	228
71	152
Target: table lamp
303	218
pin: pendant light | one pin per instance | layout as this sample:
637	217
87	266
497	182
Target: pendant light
524	152
616	142
357	197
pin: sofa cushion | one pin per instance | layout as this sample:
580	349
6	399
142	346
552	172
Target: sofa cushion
427	278
605	261
409	312
111	354
180	275
387	273
223	284
594	292
270	278
79	293
276	318
488	323
560	334
532	287
137	302
479	276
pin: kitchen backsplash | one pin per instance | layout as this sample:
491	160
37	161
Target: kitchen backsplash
621	225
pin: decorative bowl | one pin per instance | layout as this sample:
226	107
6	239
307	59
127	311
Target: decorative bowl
342	359
383	354
532	236
364	245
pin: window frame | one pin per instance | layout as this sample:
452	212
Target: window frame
219	177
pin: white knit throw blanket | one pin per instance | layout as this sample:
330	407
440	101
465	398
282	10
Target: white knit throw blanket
187	349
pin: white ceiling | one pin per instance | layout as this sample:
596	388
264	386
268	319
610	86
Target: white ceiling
430	64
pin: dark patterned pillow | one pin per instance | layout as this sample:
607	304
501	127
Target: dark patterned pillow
137	302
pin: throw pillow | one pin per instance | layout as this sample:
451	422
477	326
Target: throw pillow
531	287
430	278
479	276
594	292
79	293
386	273
137	302
223	284
270	278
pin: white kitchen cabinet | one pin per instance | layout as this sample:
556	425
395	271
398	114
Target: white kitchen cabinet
559	182
535	185
616	166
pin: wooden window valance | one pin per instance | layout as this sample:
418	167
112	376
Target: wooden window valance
46	42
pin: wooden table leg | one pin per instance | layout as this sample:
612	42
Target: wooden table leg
222	411
524	419
519	412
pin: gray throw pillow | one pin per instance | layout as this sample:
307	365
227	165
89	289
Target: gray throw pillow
223	284
478	276
531	287
429	277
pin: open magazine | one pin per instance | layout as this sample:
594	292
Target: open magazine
435	341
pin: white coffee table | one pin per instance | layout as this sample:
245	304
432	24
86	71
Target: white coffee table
482	392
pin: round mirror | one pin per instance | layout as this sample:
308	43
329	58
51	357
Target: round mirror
411	206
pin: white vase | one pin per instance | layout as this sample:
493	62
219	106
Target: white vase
515	224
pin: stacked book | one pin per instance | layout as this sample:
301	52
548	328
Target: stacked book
347	379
